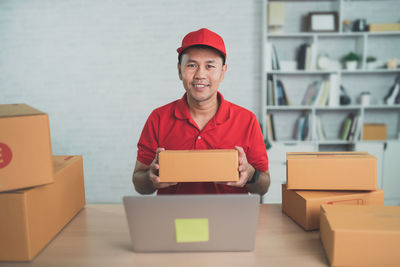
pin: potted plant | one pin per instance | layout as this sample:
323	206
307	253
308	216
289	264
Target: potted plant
350	60
371	62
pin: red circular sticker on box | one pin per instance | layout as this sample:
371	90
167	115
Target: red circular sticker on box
5	155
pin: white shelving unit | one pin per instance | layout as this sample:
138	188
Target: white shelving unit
334	45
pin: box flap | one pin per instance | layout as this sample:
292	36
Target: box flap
12	110
363	218
326	155
329	194
61	161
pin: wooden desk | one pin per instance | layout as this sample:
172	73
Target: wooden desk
98	236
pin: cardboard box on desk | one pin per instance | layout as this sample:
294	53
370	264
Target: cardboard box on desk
304	206
25	150
215	165
361	235
331	171
30	218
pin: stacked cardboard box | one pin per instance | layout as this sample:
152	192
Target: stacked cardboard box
39	193
329	179
361	235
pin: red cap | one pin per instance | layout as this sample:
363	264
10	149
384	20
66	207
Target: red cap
203	37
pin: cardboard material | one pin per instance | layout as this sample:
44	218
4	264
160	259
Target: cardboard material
30	218
25	149
331	171
361	235
304	206
374	131
215	165
384	27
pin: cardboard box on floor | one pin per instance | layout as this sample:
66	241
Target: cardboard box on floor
30	218
361	235
304	206
331	171
214	165
25	149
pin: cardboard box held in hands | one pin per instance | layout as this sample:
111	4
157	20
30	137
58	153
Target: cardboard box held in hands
215	165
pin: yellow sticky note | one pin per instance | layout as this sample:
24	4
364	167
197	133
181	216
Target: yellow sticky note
192	230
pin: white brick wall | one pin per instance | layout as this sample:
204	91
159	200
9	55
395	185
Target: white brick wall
99	67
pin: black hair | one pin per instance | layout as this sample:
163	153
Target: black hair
204	47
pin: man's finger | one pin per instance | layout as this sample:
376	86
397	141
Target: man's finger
158	151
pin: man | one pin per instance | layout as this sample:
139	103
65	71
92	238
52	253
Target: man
202	119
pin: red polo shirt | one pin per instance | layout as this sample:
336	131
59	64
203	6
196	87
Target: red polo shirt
172	128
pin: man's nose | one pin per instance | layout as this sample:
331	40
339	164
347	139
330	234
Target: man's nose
200	72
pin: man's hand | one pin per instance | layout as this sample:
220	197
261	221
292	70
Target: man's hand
153	172
246	171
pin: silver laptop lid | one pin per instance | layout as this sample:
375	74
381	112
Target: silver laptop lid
226	222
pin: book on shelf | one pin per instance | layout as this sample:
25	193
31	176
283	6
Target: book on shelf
276	93
270	127
351	128
323	95
317	94
301	57
320	129
272	59
393	96
354	129
306	57
301	129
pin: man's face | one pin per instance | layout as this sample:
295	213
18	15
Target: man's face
201	72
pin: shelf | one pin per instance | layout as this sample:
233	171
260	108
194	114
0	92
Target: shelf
324	72
302	72
290	107
370	71
331	34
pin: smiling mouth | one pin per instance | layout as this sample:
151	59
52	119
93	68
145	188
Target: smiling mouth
199	86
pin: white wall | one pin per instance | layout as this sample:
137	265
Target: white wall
99	67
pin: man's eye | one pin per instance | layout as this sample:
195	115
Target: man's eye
210	66
191	65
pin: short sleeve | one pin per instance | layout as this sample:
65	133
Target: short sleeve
257	153
148	141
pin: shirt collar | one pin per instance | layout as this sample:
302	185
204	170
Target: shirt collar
223	113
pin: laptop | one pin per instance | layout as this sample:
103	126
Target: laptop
173	223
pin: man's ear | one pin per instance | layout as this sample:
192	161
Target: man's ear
179	71
224	68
